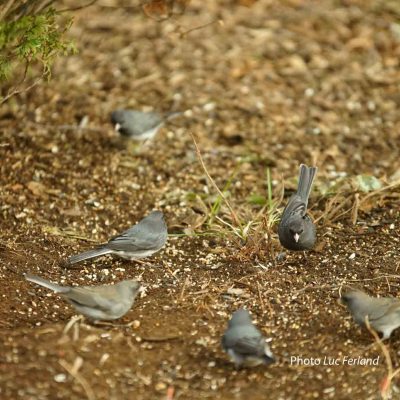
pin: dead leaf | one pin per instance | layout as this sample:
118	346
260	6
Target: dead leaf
158	9
37	189
246	3
17	187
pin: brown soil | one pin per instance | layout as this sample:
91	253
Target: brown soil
275	85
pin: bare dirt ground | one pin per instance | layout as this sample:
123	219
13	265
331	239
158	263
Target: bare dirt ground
274	85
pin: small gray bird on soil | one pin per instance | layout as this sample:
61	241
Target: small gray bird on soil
383	313
244	343
296	231
105	302
139	125
140	241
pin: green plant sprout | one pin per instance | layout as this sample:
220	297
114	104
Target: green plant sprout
30	36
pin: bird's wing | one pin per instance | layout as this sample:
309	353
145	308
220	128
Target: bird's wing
295	206
129	242
93	297
382	307
249	345
139	237
140	122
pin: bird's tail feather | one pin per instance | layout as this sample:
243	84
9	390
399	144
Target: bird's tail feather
268	360
43	282
306	178
88	254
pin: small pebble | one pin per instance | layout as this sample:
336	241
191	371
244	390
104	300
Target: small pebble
60	378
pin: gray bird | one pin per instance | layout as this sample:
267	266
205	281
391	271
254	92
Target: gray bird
296	230
140	241
105	302
383	313
139	125
244	343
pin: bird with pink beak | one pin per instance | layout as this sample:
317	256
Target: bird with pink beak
296	230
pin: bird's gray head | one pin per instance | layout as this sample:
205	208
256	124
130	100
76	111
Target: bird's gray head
296	227
353	296
130	285
156	215
154	221
134	285
117	114
240	317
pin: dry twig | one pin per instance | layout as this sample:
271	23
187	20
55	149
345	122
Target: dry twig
182	294
354	211
183	34
387	382
72	370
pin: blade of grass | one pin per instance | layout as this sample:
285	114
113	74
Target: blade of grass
217	203
233	214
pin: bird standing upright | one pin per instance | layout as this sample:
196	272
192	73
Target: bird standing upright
244	343
105	302
140	241
296	230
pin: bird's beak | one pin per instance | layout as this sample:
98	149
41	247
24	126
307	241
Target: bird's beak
296	237
117	126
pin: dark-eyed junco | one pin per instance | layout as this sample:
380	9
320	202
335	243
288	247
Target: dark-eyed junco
142	240
105	302
296	230
383	313
139	125
244	343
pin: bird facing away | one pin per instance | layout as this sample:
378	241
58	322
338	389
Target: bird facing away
140	241
139	125
244	343
105	302
383	313
296	231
